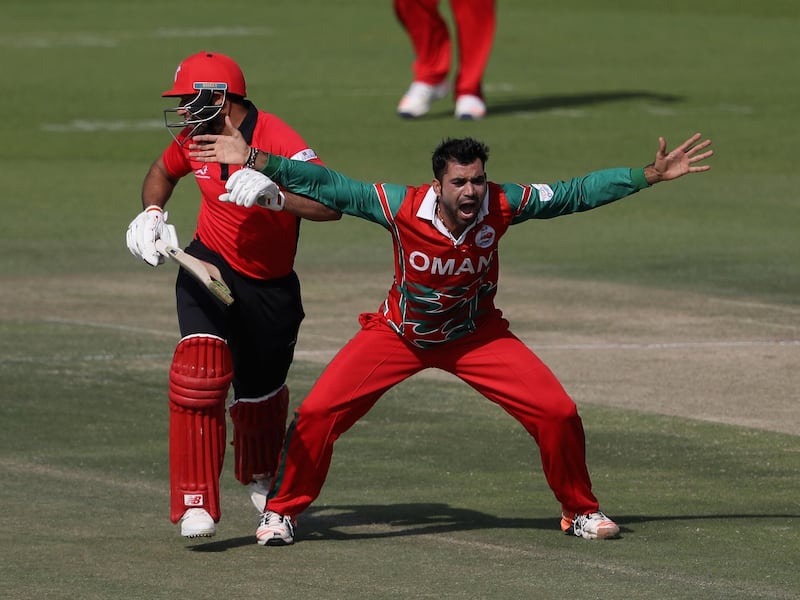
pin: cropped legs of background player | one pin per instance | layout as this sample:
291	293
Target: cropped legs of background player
475	22
249	343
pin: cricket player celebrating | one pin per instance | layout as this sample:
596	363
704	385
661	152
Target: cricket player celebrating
251	342
439	312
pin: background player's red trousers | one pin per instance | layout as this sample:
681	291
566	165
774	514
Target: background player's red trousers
493	361
475	27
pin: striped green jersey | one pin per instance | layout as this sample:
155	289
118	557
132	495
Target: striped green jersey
443	288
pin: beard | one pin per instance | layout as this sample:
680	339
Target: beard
213	127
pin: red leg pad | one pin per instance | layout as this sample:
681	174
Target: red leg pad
199	378
259	426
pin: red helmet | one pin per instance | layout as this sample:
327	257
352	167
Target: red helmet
207	68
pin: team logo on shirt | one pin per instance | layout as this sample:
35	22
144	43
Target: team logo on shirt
485	236
202	172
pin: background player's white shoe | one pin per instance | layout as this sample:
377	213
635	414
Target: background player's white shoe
275	530
470	108
589	526
259	488
196	522
419	97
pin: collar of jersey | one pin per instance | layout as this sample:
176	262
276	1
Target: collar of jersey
427	211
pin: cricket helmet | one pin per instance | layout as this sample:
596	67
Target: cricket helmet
207	67
202	75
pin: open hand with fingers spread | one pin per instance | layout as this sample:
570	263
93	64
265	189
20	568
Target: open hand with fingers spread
678	162
229	148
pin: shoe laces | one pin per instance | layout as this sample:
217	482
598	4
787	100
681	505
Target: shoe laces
596	516
271	519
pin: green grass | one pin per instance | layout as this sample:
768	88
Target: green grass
436	493
417	504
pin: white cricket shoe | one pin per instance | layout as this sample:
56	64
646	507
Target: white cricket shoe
259	489
589	526
470	108
196	522
274	530
419	97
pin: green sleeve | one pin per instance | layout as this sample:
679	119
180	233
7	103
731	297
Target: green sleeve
333	189
593	190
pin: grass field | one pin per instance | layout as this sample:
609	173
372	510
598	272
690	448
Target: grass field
673	318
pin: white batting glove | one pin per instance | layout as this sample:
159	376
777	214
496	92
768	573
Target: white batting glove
247	187
149	226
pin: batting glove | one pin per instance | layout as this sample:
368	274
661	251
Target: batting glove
149	226
247	187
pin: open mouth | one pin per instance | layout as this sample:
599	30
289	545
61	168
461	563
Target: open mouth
468	210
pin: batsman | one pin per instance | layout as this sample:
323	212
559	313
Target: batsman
249	343
439	311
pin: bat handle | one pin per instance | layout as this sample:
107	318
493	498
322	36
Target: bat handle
161	246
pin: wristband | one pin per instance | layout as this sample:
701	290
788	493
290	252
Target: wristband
251	158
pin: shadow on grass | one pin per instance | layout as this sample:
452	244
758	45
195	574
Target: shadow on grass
623	521
565	101
398	520
401	520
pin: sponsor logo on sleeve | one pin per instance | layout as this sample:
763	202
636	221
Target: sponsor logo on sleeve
305	155
545	192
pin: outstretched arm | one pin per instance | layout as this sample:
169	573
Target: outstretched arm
602	187
679	161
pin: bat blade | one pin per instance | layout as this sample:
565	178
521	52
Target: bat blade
199	270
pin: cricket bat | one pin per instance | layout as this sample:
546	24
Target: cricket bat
204	272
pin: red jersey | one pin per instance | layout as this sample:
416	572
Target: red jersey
444	288
257	243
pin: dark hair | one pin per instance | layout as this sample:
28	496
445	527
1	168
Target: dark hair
464	151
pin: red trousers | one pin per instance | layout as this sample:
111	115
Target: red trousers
493	361
475	26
